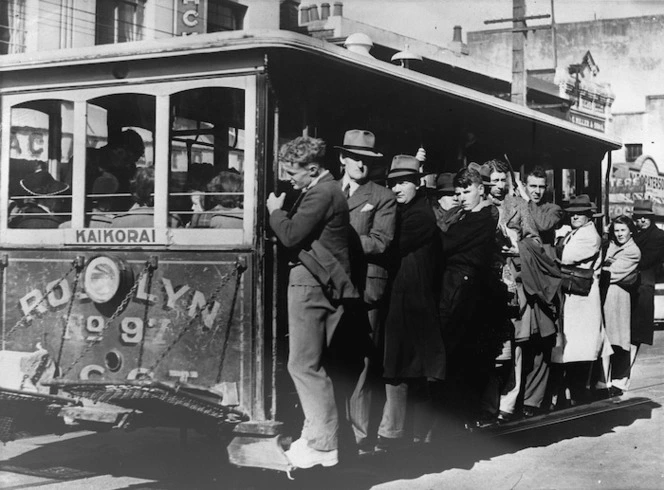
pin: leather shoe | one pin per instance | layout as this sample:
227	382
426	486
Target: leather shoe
528	411
384	444
504	417
614	392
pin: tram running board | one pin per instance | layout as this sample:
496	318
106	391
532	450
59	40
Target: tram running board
258	445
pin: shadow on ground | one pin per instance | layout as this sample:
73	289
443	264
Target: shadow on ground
157	455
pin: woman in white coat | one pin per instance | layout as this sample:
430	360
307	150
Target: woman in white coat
581	334
620	263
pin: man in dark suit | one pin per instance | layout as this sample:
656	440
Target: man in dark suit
373	217
315	232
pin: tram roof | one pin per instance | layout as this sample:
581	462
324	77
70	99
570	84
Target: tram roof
249	40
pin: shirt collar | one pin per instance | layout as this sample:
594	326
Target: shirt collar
347	181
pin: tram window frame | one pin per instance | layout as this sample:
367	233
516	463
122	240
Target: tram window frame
172	237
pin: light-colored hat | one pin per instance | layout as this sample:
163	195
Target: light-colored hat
404	166
359	142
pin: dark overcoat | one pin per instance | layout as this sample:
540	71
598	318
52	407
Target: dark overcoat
651	243
413	339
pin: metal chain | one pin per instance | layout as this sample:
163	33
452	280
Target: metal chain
66	319
123	304
74	266
227	337
239	269
141	347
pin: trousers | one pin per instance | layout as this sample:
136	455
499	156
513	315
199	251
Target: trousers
312	321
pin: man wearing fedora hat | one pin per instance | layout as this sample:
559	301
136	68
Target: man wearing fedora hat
38	210
650	239
413	347
372	217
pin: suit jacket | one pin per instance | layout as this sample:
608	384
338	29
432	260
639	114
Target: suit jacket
373	218
321	215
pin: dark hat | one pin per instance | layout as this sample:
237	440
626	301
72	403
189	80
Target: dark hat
445	183
43	184
581	203
405	166
359	142
130	140
643	207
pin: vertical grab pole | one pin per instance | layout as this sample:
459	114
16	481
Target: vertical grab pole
275	182
607	181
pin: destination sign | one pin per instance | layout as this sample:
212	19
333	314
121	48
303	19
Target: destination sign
116	236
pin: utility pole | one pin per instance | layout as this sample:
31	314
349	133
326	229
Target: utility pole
519	30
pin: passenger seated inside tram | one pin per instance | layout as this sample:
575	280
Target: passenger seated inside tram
102	202
223	207
141	214
39	210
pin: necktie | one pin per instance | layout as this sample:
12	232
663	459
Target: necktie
347	191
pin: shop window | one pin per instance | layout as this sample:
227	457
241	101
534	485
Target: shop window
119	21
39	164
12	26
633	151
206	183
224	15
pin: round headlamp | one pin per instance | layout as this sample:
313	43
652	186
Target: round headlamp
103	278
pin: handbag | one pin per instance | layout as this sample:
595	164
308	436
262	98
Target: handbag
630	281
576	280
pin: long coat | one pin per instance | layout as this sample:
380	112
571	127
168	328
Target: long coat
582	332
413	337
651	243
620	261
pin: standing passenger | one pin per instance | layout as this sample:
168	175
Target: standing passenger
372	216
622	259
316	233
468	245
581	338
414	351
650	239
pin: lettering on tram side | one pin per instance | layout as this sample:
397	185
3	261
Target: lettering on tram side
131	329
114	236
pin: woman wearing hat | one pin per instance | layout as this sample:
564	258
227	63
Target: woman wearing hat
621	260
581	335
413	348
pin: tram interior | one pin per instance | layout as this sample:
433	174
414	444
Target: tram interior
205	153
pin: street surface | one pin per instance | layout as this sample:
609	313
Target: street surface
620	448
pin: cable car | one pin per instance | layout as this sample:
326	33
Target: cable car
120	309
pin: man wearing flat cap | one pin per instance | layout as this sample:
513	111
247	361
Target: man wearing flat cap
42	198
650	240
372	217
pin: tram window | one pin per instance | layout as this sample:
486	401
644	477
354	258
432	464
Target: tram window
206	185
120	140
569	183
40	152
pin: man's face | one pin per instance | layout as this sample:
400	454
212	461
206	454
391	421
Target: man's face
447	202
642	222
404	191
299	177
536	187
498	184
355	167
469	197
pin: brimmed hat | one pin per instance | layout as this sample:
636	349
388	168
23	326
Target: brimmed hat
445	183
43	184
405	166
581	203
359	142
643	207
483	170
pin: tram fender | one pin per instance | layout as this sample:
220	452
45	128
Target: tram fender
258	445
